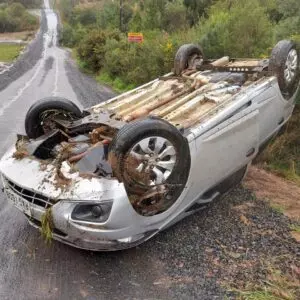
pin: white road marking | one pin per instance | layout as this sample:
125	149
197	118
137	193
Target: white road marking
49	37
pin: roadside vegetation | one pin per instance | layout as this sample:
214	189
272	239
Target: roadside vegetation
16	23
231	27
14	17
26	3
9	52
282	156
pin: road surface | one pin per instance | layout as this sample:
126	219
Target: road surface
170	266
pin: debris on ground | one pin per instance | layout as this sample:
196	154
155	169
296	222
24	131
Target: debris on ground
47	225
21	150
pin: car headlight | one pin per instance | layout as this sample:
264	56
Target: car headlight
92	212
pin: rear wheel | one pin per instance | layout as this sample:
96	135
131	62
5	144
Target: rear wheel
39	118
285	63
188	56
152	159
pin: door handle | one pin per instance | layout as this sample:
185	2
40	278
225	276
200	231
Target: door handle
281	121
250	152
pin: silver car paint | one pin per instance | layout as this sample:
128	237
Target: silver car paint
218	147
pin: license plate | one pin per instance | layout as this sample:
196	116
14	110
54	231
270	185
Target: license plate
20	203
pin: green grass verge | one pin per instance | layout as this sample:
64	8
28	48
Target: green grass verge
116	83
103	78
9	52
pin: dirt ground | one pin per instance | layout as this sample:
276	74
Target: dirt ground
281	193
24	36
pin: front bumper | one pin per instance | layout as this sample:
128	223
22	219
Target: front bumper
35	184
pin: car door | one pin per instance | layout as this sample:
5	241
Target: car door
225	149
271	109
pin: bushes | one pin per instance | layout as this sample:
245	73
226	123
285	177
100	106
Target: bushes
110	53
92	48
283	154
27	3
71	36
242	30
175	16
226	27
14	17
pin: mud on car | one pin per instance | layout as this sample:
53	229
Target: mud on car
112	176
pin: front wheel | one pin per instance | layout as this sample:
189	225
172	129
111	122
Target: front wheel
152	159
39	118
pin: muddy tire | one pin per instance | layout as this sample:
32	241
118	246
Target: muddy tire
151	155
60	106
285	64
187	57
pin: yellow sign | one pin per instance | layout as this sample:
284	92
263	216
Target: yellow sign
135	37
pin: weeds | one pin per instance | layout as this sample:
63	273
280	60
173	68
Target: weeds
278	286
282	156
116	83
258	295
278	208
47	225
295	227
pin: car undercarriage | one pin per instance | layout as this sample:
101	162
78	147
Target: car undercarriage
140	154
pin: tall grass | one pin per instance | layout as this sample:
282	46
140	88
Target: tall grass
282	156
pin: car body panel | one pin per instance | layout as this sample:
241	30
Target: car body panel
224	140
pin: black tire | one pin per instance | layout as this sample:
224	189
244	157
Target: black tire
277	65
33	126
136	131
186	57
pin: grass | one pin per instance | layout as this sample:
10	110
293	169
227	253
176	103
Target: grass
47	225
282	156
278	286
295	227
103	78
278	208
116	83
258	295
9	52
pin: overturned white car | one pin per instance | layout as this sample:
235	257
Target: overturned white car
113	176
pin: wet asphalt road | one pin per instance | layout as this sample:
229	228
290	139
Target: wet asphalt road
170	266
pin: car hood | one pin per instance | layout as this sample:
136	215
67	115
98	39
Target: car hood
36	175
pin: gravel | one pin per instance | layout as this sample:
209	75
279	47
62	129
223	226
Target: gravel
227	244
89	93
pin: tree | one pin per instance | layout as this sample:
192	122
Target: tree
289	25
175	16
196	9
16	10
236	29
